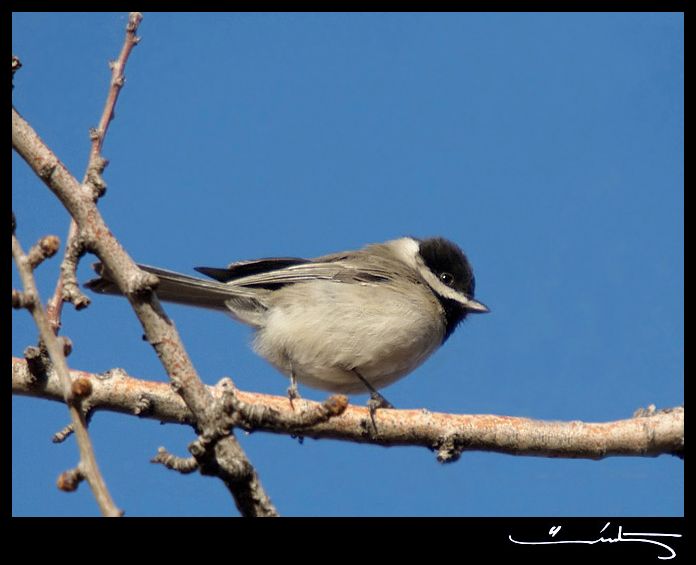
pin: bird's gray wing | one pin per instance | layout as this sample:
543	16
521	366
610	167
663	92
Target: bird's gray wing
248	268
274	273
244	287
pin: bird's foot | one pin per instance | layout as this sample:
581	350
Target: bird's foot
293	393
376	402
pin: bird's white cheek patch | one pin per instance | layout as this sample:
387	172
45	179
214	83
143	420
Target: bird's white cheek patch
406	249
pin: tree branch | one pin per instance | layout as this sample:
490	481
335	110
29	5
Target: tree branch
72	396
224	458
650	434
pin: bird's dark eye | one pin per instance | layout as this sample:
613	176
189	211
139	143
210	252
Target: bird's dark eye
447	278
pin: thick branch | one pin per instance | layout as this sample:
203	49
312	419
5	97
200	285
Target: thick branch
662	432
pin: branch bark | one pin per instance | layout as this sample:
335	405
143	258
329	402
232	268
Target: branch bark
651	433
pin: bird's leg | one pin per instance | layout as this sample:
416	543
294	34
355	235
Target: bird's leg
292	389
376	399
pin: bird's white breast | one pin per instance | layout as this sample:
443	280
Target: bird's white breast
328	329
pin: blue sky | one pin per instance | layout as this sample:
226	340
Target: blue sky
549	146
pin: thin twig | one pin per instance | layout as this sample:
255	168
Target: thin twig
67	288
88	462
184	465
118	79
45	248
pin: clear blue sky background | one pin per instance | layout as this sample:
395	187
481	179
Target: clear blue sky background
549	146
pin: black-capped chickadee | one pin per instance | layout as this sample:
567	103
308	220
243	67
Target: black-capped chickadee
348	322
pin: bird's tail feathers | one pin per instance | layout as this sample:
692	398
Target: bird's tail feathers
179	288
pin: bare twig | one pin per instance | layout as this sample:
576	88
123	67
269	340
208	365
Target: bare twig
69	480
45	248
61	435
67	287
88	462
447	434
118	79
184	465
225	459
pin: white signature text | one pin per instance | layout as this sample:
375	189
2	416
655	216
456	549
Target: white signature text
620	537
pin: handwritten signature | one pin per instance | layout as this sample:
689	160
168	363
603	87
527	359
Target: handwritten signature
622	536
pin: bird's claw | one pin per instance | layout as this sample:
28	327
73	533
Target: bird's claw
376	402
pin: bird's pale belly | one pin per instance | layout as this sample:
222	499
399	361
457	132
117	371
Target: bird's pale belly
325	353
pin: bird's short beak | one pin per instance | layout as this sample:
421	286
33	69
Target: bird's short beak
476	307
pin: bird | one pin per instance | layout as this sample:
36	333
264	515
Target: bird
348	322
